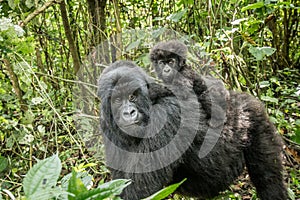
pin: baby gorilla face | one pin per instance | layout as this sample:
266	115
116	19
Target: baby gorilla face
167	69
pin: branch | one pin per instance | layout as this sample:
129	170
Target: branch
68	32
38	11
15	83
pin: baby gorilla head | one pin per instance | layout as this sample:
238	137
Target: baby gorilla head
168	59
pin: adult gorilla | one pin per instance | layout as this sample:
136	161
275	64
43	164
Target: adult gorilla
154	138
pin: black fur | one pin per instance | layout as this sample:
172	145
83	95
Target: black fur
247	137
208	89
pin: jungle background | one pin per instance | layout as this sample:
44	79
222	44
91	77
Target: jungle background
50	48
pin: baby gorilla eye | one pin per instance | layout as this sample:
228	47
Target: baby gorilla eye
132	98
172	62
161	63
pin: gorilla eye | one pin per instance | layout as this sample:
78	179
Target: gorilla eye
160	62
132	97
172	61
117	100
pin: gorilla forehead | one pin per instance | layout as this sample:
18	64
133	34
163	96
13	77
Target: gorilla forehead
123	74
123	68
173	47
128	85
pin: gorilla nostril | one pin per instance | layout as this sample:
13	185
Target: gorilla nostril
130	114
133	113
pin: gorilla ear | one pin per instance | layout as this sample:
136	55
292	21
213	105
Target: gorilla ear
181	62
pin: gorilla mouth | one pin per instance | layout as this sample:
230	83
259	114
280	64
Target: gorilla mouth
137	122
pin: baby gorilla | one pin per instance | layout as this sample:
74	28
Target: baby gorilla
169	61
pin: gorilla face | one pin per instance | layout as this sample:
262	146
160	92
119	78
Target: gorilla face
129	105
167	65
125	103
167	69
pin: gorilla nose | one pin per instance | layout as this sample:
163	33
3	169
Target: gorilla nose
167	69
130	114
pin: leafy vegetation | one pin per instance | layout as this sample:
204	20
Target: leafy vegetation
40	183
51	53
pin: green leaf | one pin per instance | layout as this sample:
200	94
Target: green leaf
83	176
27	139
75	186
106	190
48	193
253	6
264	84
269	99
133	45
29	3
37	100
238	21
291	194
3	163
42	176
165	192
273	120
268	50
27	118
158	32
116	186
260	52
13	3
296	137
41	129
175	17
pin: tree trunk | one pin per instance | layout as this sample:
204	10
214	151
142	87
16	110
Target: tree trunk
72	45
98	15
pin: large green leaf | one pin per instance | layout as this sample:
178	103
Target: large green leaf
164	192
116	186
260	52
175	17
83	176
42	176
253	6
75	186
49	193
106	190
